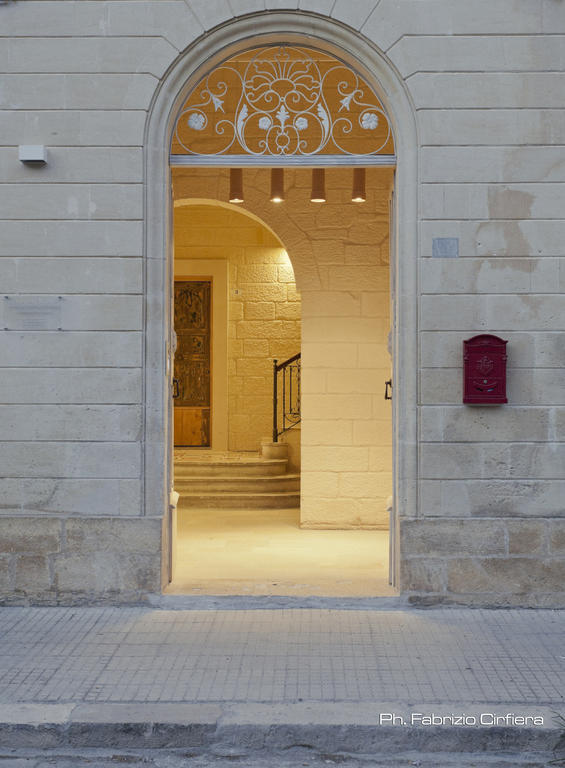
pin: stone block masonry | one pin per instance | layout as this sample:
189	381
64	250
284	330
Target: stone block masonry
480	501
52	560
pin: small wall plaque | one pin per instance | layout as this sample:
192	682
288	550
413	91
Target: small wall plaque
32	313
445	247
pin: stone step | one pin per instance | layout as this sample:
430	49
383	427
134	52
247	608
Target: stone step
249	467
228	499
241	484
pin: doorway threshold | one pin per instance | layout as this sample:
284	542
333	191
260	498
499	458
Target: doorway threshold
274	602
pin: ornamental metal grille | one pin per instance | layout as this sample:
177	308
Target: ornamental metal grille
282	102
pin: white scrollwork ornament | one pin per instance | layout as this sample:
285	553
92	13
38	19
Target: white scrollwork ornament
284	100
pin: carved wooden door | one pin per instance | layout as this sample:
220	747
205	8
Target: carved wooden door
192	362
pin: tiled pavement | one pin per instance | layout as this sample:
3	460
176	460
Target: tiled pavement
261	682
125	654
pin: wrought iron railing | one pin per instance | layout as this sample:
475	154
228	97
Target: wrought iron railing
287	411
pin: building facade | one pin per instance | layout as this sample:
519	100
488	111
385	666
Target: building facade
461	235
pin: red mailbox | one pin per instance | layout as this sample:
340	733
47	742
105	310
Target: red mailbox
484	370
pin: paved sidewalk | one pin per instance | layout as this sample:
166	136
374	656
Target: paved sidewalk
272	679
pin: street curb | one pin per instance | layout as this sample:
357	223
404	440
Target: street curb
351	727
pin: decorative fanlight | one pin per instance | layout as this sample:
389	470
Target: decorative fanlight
281	102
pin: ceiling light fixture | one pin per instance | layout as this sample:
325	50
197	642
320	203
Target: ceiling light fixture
358	195
318	194
236	185
277	185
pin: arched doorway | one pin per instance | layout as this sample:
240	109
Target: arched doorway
403	343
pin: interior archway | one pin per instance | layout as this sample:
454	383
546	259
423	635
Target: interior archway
255	307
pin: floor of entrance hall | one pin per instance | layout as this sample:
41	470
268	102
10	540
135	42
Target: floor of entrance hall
265	552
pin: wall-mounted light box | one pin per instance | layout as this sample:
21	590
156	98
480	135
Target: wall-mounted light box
32	154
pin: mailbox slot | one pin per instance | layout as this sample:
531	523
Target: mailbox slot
484	370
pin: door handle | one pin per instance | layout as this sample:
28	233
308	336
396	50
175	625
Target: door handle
176	392
388	389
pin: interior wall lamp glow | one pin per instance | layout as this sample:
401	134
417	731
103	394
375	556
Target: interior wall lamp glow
32	154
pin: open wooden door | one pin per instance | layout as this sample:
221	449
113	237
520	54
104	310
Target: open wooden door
192	390
394	538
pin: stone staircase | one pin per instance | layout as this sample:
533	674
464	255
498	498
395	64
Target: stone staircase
237	480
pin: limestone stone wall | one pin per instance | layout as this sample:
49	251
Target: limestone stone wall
263	309
57	559
485	83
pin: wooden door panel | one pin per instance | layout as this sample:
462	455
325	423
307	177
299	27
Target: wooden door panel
192	426
192	362
194	379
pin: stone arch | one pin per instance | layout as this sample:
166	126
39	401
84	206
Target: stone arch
255	310
275	218
230	207
180	79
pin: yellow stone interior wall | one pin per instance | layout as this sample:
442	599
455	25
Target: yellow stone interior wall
263	312
340	255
